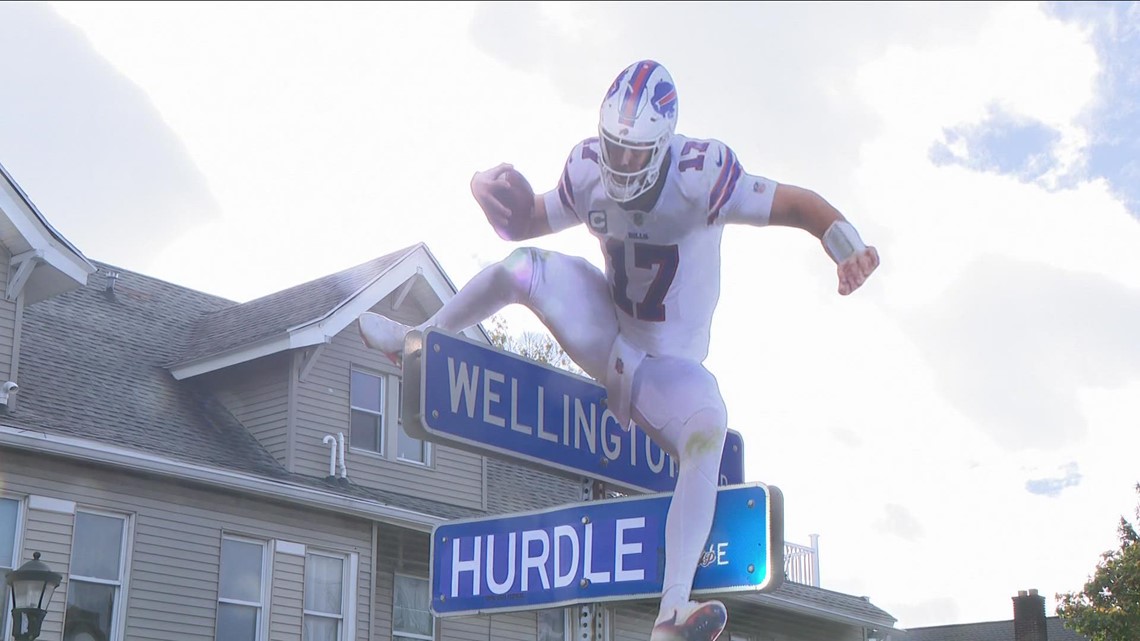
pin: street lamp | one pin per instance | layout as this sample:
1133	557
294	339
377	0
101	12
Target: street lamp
32	587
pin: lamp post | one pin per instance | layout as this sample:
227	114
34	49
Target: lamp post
32	587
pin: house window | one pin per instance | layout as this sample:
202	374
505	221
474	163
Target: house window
408	448
366	398
9	526
95	581
324	597
241	590
411	616
552	625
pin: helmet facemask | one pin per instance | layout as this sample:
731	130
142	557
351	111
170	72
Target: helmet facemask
630	168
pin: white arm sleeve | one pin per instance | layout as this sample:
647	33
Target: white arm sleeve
751	201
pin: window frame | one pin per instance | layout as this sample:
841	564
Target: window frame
262	627
17	545
399	634
118	609
348	579
567	626
381	414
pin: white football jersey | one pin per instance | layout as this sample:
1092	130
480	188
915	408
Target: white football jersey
663	264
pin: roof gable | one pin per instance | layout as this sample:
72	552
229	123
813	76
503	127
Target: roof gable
308	314
44	263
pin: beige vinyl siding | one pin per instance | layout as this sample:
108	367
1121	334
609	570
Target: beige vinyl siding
287	596
9	317
322	408
174	554
514	626
472	628
257	394
633	622
48	533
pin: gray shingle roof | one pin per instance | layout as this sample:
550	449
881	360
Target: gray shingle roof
220	330
850	605
988	631
92	367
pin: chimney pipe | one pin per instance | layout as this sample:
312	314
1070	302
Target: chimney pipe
1029	616
109	284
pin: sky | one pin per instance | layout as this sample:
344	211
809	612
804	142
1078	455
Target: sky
961	428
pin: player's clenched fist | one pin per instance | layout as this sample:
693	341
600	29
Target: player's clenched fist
855	270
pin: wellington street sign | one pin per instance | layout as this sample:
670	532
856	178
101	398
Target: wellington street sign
475	397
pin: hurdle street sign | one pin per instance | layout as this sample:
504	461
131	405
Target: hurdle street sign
598	551
481	399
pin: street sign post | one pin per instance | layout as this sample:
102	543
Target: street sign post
599	551
475	397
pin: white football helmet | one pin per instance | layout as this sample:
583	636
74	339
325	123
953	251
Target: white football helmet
637	121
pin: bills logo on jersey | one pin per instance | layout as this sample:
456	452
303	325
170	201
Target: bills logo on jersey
598	221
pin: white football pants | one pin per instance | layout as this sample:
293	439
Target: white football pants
676	400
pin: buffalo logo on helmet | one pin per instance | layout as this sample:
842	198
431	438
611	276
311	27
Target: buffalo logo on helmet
665	99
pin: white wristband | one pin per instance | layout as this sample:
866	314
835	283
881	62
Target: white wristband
842	241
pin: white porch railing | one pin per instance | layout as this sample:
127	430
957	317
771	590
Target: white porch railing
801	562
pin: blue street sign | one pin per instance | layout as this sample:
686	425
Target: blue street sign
598	551
475	397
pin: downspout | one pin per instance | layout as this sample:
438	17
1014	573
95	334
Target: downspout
372	594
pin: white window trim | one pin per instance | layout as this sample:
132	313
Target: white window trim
348	580
395	405
17	545
119	614
266	582
411	635
384	435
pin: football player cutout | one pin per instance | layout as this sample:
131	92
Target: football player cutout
657	202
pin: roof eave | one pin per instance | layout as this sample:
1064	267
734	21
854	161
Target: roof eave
123	458
791	605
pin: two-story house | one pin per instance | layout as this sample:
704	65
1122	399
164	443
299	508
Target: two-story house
197	468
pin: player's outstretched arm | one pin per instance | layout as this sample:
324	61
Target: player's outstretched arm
510	203
797	207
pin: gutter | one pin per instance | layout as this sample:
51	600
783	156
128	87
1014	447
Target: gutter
94	452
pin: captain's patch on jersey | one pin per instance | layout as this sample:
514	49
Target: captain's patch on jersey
598	221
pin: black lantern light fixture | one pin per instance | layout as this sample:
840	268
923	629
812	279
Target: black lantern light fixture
32	587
